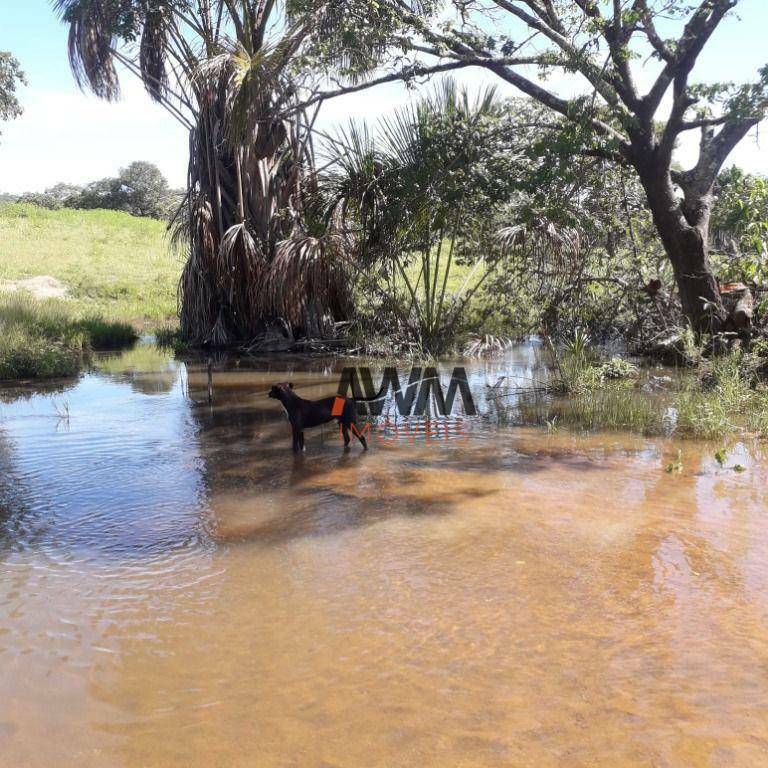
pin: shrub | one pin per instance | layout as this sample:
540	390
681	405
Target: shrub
170	338
39	339
612	407
107	335
618	368
24	356
577	366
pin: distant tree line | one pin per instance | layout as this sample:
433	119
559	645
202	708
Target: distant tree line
139	189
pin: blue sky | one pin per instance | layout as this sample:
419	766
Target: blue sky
66	135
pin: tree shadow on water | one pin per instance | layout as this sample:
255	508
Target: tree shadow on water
325	496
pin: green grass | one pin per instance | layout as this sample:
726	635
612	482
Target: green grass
458	275
42	339
107	334
607	406
613	407
115	265
37	340
727	399
25	355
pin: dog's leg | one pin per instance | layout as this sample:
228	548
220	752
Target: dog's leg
345	432
296	440
359	434
301	439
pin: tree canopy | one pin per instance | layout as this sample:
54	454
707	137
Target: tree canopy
611	47
11	76
230	72
139	189
247	79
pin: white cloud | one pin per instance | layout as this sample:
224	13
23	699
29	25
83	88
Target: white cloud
75	137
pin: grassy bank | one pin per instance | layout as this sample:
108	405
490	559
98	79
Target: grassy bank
723	397
113	265
48	339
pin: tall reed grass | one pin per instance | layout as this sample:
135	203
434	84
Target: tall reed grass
726	397
43	339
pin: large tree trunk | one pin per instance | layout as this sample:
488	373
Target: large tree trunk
683	226
688	250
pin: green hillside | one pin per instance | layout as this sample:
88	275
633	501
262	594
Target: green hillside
111	263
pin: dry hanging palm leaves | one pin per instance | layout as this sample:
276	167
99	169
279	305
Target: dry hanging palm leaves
306	277
90	47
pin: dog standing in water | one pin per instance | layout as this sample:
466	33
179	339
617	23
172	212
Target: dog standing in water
312	413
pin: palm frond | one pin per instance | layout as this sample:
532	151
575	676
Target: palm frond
308	272
251	187
553	252
91	46
152	49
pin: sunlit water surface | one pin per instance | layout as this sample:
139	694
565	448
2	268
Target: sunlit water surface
177	589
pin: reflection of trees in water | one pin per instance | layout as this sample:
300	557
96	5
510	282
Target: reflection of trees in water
121	478
569	609
147	369
16	515
231	427
259	490
582	603
13	394
243	419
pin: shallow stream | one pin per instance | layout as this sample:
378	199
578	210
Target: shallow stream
177	589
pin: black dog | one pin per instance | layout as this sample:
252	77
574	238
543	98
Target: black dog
312	413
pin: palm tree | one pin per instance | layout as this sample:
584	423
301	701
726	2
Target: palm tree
444	183
415	194
223	69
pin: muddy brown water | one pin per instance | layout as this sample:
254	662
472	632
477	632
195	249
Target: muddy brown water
176	589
